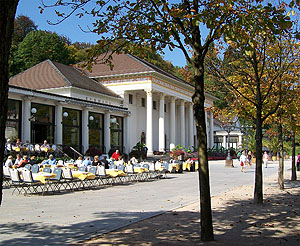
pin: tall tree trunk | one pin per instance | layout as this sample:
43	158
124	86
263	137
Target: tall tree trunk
294	173
258	189
7	15
199	111
281	156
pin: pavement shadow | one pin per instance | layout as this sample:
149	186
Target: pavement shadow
172	228
49	234
239	222
273	219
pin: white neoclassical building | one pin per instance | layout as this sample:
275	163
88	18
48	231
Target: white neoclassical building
160	103
134	102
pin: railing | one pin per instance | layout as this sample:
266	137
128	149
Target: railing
71	151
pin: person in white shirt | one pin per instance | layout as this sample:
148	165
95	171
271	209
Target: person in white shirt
243	160
265	159
120	161
79	161
9	162
18	159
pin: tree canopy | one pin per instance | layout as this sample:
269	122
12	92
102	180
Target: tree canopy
161	24
22	26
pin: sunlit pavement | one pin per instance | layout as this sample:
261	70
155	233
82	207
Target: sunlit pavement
72	217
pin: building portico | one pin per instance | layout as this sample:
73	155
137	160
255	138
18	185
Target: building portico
160	103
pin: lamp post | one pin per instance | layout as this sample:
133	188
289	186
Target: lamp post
33	112
245	128
228	127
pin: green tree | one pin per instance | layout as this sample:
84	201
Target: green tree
254	68
38	46
22	26
161	24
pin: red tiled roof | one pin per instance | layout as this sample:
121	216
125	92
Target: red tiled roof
122	64
48	74
126	64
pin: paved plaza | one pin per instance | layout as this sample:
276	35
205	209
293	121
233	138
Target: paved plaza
62	219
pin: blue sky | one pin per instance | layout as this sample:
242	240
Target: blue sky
70	27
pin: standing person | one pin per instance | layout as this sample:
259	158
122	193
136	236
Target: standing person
298	162
249	157
115	156
243	159
265	159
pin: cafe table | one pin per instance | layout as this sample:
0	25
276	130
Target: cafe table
83	175
114	172
43	177
140	169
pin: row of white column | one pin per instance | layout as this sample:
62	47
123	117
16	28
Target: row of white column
58	126
161	124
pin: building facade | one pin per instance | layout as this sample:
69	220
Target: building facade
160	103
134	102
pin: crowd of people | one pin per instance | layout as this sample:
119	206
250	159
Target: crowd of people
21	161
245	160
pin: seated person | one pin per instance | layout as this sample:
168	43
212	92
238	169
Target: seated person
32	160
133	160
50	161
110	163
23	162
45	145
86	162
18	160
79	161
9	162
104	162
26	144
115	155
120	161
96	161
18	143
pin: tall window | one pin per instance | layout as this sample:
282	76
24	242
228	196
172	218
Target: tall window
143	102
154	105
116	132
130	99
96	131
233	141
72	128
42	124
13	122
218	141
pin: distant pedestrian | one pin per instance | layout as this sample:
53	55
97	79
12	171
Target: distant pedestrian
298	162
243	160
265	159
249	157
